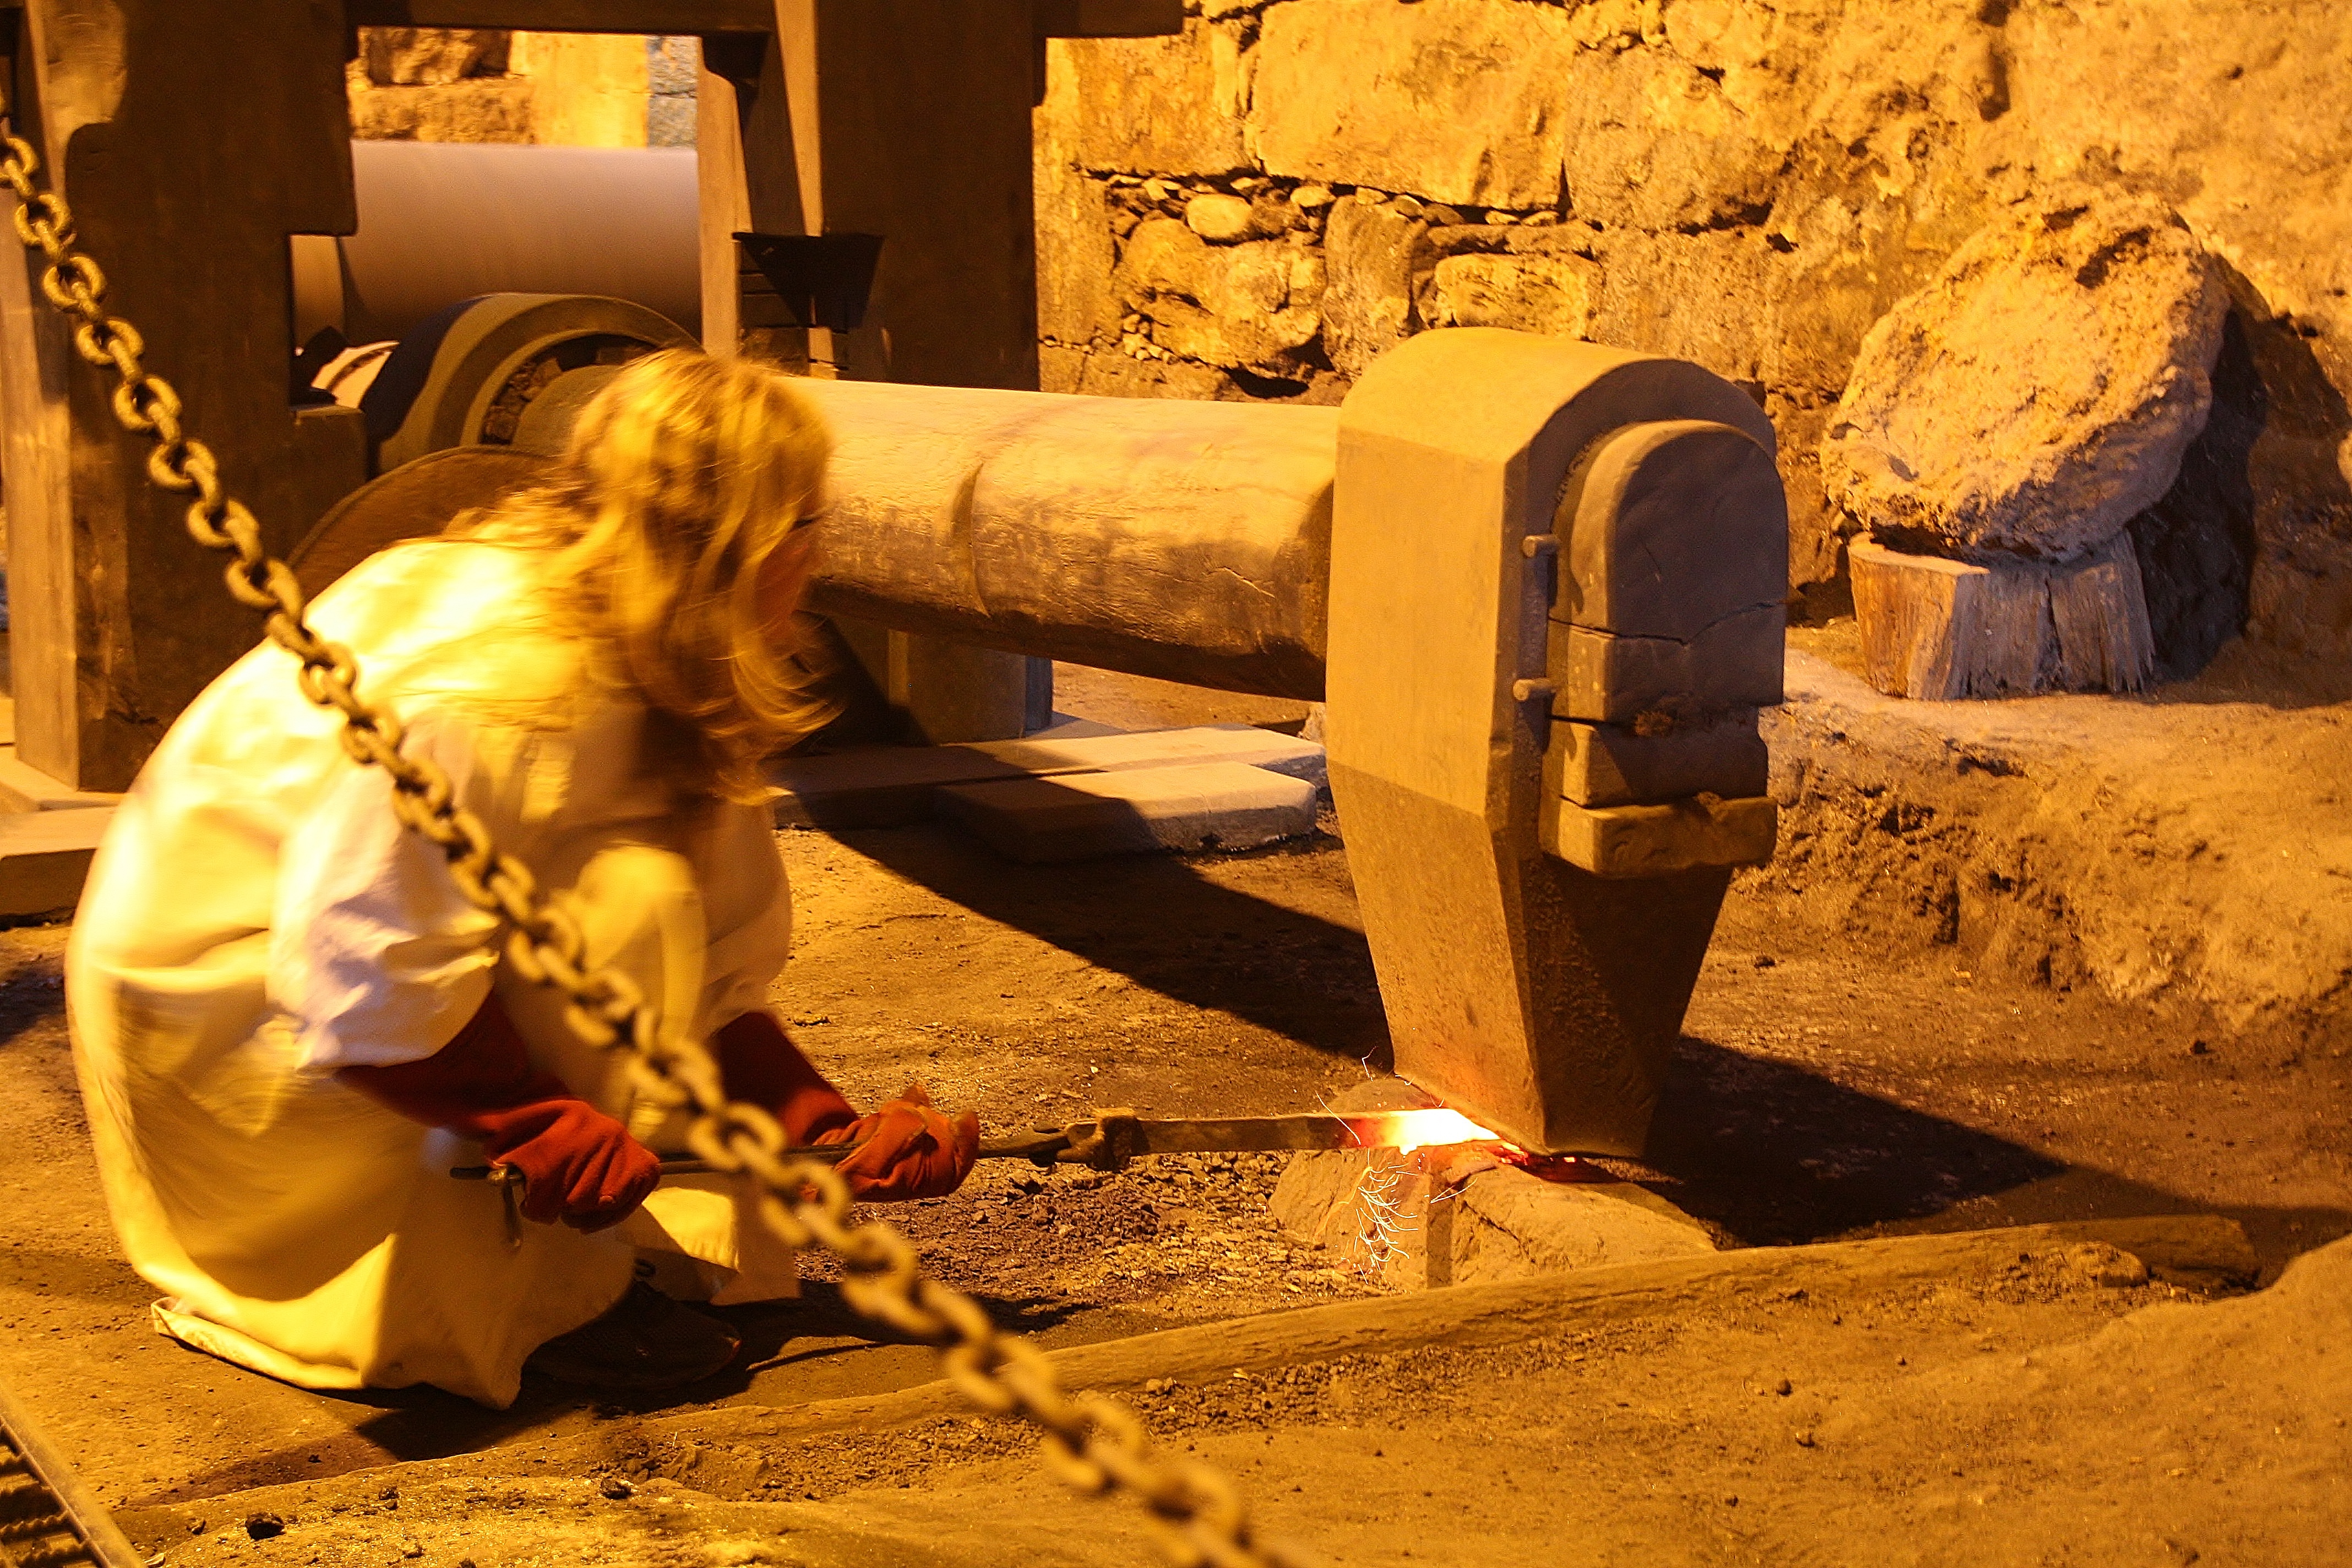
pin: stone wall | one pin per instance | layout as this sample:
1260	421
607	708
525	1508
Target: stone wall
1258	207
574	90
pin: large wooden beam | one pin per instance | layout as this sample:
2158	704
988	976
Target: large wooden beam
652	16
190	141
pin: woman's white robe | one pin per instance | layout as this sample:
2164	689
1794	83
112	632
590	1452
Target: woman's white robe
257	918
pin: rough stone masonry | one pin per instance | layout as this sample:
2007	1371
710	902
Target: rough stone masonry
1259	208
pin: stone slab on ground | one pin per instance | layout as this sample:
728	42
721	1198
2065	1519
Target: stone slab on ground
891	786
27	788
1246	744
1459	1213
2191	849
43	857
1076	816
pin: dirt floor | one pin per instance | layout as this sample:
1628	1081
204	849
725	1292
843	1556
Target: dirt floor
1829	1085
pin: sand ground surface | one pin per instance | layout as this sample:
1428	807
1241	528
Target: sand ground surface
1827	1087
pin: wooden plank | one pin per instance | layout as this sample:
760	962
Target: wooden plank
656	16
1110	18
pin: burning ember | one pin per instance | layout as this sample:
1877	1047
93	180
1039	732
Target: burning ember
1406	1131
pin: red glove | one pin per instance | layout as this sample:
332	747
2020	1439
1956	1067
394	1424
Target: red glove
912	1151
582	1166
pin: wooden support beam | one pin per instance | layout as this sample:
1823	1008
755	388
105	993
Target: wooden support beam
190	151
653	17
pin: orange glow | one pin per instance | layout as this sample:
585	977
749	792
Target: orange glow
1410	1130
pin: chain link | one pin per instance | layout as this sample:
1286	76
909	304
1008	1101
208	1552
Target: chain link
1092	1443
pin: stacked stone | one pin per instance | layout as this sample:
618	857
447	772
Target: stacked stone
1748	185
2003	427
672	69
490	84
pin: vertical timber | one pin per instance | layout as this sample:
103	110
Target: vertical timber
191	140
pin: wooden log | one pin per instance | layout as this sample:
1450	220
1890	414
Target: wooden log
1183	541
1941	629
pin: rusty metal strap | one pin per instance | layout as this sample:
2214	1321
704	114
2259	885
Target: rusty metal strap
1093	1443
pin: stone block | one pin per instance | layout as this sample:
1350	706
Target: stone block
1601	678
2041	390
1188	809
1555	295
1111	373
1455	100
1457	1215
1619	842
1660	146
1148	105
876	786
44	859
1942	629
1217	217
1123	751
1615	765
431	57
1248	306
24	788
1373	258
1076	255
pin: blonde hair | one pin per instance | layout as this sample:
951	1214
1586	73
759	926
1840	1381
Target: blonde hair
683	479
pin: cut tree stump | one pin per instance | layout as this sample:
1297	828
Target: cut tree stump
1944	629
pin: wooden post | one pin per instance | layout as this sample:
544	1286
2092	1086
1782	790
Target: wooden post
192	142
908	119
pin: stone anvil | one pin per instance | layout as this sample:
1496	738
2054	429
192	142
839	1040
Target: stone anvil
1540	583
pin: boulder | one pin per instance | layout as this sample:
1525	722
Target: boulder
2039	392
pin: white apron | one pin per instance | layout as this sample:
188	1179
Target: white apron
257	919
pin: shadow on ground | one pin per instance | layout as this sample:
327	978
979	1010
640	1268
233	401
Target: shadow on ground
1204	945
1777	1155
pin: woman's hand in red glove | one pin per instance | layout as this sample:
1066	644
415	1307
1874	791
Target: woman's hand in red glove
911	1150
580	1166
583	1166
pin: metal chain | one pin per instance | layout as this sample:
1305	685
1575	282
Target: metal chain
1093	1443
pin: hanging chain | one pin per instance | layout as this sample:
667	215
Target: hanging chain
1095	1444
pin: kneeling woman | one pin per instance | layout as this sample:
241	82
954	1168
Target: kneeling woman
289	1026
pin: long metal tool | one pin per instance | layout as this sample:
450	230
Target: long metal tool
1113	1137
